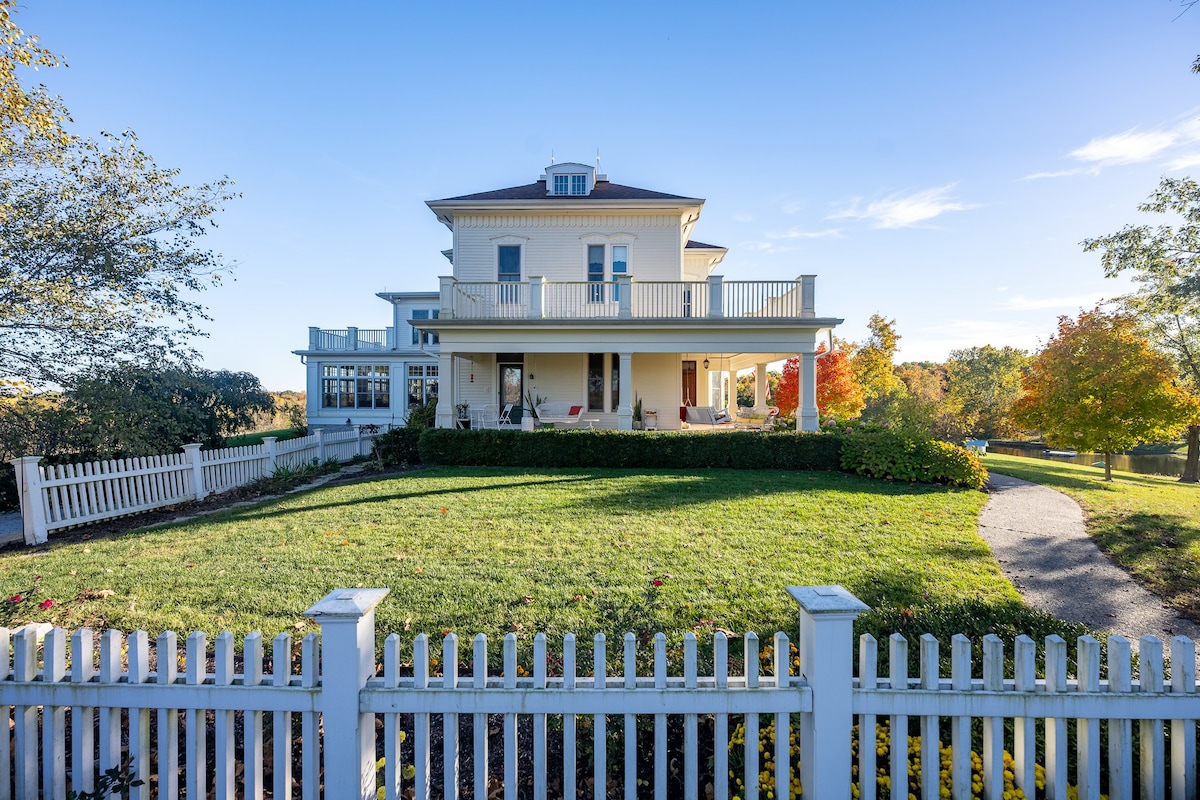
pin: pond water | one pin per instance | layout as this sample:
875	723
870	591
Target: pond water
1143	465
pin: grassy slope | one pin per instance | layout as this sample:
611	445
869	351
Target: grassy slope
495	550
1147	524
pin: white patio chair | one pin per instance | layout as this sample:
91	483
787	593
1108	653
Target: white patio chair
488	418
504	421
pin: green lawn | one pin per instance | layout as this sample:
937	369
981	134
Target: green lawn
1149	525
496	550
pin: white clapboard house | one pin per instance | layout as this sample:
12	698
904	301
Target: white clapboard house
576	292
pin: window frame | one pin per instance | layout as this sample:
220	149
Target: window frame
356	386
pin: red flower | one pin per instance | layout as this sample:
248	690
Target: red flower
45	604
16	598
657	582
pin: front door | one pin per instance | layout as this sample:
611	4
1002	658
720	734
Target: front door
688	393
512	385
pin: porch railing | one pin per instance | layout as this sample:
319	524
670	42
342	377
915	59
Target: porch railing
626	298
351	339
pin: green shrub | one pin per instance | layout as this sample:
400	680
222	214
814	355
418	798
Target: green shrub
398	446
632	449
424	416
897	455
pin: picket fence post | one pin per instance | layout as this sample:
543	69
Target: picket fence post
319	440
269	447
29	494
192	451
347	620
826	646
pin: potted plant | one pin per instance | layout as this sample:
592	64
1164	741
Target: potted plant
637	413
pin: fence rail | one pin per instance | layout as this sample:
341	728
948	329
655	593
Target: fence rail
54	497
327	721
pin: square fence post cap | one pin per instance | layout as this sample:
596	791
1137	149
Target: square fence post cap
827	600
346	604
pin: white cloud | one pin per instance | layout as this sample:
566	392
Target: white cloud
902	211
1022	303
795	233
1184	161
1129	147
1135	146
742	218
934	343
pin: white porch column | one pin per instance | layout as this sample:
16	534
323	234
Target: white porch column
625	377
760	387
446	296
808	419
446	390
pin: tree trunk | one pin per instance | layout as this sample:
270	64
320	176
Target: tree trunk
1108	466
1191	467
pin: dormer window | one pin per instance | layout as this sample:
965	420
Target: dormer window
570	180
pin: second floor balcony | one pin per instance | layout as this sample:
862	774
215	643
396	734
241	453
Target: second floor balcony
628	299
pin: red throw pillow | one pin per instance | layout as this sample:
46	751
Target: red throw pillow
574	410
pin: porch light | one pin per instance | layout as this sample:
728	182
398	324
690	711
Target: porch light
706	362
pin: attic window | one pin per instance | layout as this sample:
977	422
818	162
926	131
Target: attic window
573	184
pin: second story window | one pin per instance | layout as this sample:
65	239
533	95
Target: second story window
595	273
510	263
431	337
561	183
620	266
578	184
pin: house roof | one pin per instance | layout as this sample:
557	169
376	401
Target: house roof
603	190
692	244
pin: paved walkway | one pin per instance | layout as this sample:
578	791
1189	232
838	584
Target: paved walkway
1038	536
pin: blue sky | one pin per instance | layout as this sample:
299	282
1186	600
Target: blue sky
934	162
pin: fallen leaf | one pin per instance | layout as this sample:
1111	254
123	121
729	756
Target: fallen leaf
418	570
408	624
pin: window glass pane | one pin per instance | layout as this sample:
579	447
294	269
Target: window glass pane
329	371
364	371
620	256
348	372
578	184
381	370
595	381
346	395
416	393
595	273
510	262
329	398
431	370
560	184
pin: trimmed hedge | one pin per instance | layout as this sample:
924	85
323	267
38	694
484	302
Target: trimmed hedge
894	455
606	448
398	446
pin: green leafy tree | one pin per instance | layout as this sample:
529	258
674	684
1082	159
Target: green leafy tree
921	408
100	260
132	410
1164	262
100	251
1099	386
872	363
982	384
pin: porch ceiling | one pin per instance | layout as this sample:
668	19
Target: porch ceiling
751	341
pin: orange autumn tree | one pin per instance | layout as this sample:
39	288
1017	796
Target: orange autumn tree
838	394
1099	386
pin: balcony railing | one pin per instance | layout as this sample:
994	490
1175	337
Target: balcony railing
626	298
352	339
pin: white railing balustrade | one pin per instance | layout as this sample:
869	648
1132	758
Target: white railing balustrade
580	300
770	299
65	496
490	300
541	718
351	339
565	300
670	299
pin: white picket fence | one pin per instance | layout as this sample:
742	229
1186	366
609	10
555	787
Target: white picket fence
68	495
341	726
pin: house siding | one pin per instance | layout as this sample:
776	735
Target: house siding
553	248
